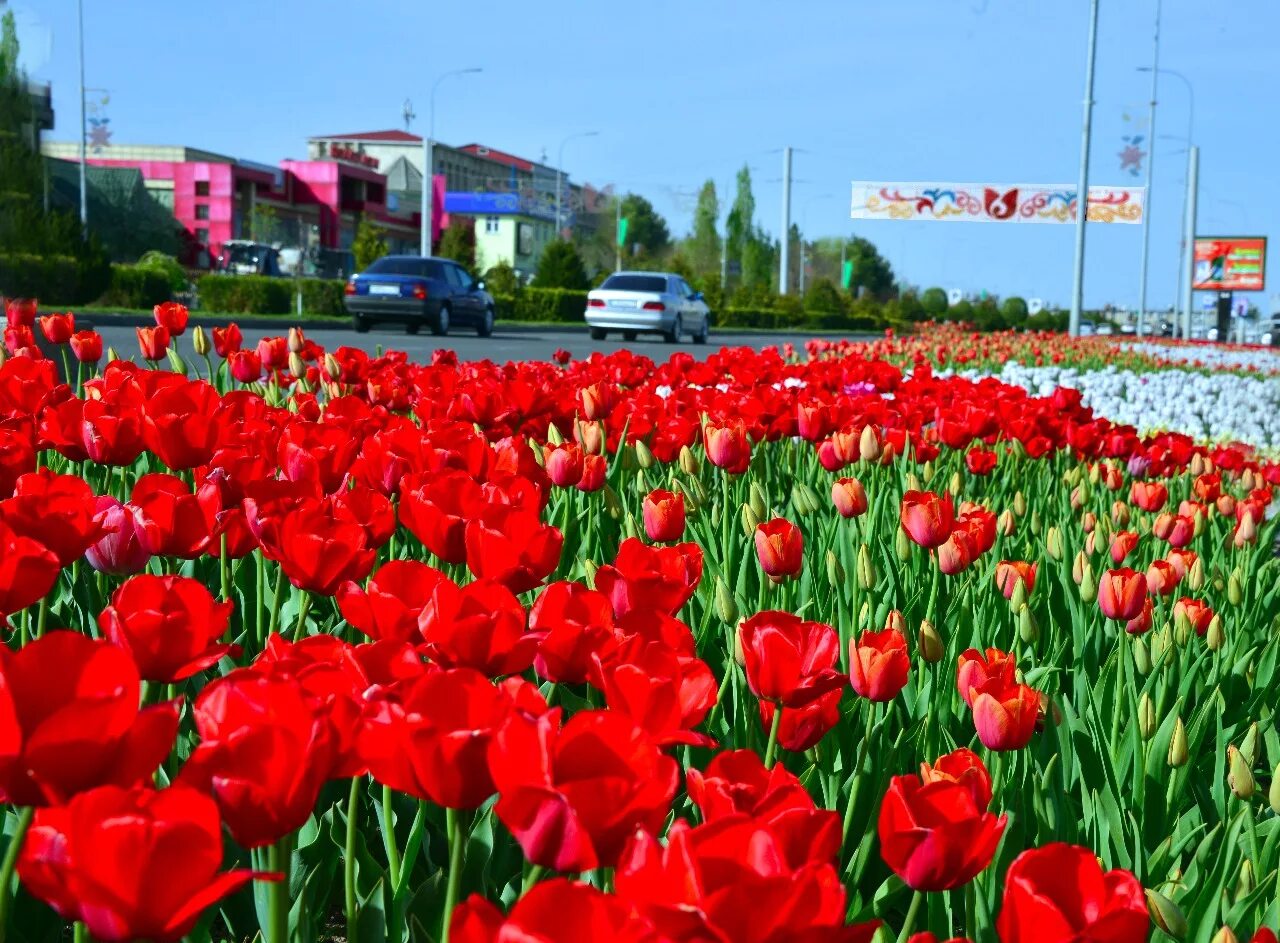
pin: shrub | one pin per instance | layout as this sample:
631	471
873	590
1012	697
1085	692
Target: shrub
561	267
934	302
823	296
543	304
137	286
170	267
54	280
1014	311
323	296
501	280
245	294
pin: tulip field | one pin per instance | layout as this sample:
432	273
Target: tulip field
922	639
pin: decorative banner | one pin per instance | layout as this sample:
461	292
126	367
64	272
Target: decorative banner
1135	135
1230	263
994	203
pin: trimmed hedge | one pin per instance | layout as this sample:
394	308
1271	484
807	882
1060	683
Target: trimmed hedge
543	304
54	280
264	295
137	286
323	296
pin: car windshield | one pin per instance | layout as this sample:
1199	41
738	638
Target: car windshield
243	255
403	265
635	283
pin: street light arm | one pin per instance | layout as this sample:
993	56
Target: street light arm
428	174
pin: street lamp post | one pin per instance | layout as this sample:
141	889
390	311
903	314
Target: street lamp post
1082	187
84	132
1151	160
1183	271
428	153
560	174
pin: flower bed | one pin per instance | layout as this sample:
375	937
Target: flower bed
754	649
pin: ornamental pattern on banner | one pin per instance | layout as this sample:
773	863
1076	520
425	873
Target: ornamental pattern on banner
994	203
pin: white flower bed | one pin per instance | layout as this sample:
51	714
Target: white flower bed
1210	407
1265	359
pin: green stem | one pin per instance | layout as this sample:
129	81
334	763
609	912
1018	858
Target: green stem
916	900
43	617
80	933
7	866
275	601
772	748
224	568
349	859
530	879
457	841
863	749
300	631
388	838
278	893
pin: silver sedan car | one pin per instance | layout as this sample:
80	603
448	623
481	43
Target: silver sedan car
649	302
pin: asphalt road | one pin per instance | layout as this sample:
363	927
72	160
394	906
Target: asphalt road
507	343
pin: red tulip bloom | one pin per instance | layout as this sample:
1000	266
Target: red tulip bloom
594	470
21	342
641	577
153	343
513	547
172	520
1009	573
21	311
171	625
1208	487
1004	714
980	525
58	328
131	864
57	510
974	669
86	346
429	737
927	518
265	752
245	366
70	720
28	570
1123	543
1162	578
572	796
573	624
319	550
1182	561
1148	495
780	548
121	551
957	552
1197	613
1121	594
171	316
961	766
663	514
480	625
180	427
728	447
935	836
788	660
564	464
1059	894
227	340
435	508
737	782
980	461
1142	621
803	726
550	910
667	694
389	605
849	497
878	665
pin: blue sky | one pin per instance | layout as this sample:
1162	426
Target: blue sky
946	90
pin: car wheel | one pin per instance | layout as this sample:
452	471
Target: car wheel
701	336
628	335
412	327
440	326
598	333
360	323
673	336
485	327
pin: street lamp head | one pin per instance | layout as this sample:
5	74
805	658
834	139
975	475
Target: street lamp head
471	70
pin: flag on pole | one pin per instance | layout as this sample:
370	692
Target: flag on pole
846	273
622	231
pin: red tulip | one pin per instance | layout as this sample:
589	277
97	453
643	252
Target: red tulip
1208	487
1182	561
1059	894
641	577
86	346
172	520
389	605
179	426
153	342
227	340
131	864
171	625
57	510
1197	613
980	461
28	570
171	316
934	835
435	507
58	328
961	766
594	470
1142	621
1176	529
21	311
551	910
849	497
1148	495
480	625
957	552
563	464
1162	578
1004	714
788	660
980	525
513	547
878	665
17	458
572	624
245	366
1121	594
71	720
727	446
663	514
1009	573
927	518
974	669
780	548
667	694
21	342
803	726
320	551
572	796
1122	544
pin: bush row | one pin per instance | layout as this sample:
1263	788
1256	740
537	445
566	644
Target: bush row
137	286
55	280
258	294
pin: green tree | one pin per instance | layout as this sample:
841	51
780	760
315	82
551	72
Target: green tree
759	259
1014	311
561	267
647	231
370	243
8	46
501	280
934	302
458	242
871	271
740	222
822	295
703	245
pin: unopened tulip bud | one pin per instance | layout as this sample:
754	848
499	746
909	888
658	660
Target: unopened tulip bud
1053	543
913	482
554	436
1195	575
1077	567
1246	480
612	505
1035	524
689	463
1120	514
1214	637
296	341
954	486
1239	776
726	605
1088	522
1141	656
589	568
1244	883
1088	584
869	449
629	526
1019	503
200	341
749	520
927	472
835	572
1095	473
1091	543
696	491
1166	914
1018	599
112	355
864	613
332	367
297	366
4	356
644	456
758	502
1181	621
1182	632
931	648
1005	523
1235	591
176	363
1196	468
1224	935
866	569
1086	492
1146	717
737	647
1028	631
799	501
1249	749
1273	794
1178	745
1102	527
895	622
902	545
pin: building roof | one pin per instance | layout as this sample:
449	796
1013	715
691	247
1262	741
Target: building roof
402	176
393	136
501	157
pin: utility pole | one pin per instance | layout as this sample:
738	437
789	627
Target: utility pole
1151	159
1189	238
84	130
786	221
1082	186
617	235
428	163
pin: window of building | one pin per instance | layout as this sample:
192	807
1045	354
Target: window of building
202	188
202	211
202	236
491	224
